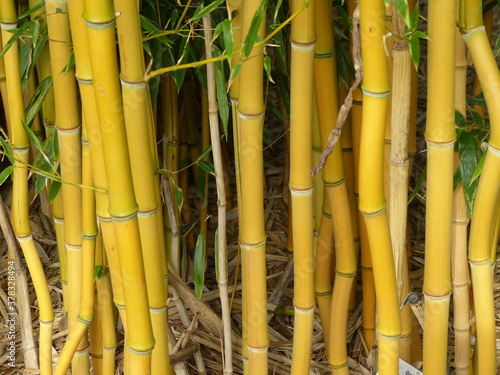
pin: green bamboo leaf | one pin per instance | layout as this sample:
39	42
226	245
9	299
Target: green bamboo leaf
7	149
252	35
217	254
460	119
414	18
179	197
36	53
99	272
20	31
496	50
404	11
200	11
421	35
467	146
227	28
205	153
346	21
70	64
414	44
477	118
267	68
234	72
33	9
419	184
32	137
5	174
222	101
54	190
199	265
477	100
24	61
202	183
207	166
36	101
479	168
36	33
277	9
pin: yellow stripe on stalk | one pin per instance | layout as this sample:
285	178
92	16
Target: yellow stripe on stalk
100	20
485	212
440	137
302	41
20	208
371	185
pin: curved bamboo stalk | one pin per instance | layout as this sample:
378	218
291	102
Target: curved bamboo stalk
20	209
334	181
484	215
67	122
440	137
89	109
368	286
252	236
86	305
100	20
371	185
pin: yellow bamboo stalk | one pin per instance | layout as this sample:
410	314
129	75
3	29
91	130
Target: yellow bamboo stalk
100	21
252	235
334	181
460	274
485	212
371	185
440	137
302	41
348	159
20	209
139	123
89	109
86	305
67	122
368	286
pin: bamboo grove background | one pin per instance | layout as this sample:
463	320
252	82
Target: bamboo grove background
253	187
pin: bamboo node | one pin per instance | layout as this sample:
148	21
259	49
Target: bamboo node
301	191
323	294
84	321
479	262
137	85
437	298
472	31
100	26
76	129
257	350
334	184
248	246
148	213
250	116
337	367
373	214
372	94
140	352
324	55
304	46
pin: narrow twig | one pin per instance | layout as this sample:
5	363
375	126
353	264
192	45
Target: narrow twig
346	107
213	112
